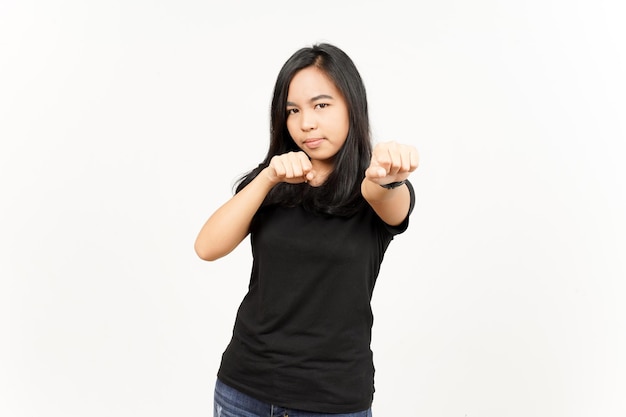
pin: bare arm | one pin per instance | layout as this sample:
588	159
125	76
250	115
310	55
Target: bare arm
230	223
391	162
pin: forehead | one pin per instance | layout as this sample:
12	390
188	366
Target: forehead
310	82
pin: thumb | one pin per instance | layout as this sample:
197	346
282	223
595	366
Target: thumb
375	172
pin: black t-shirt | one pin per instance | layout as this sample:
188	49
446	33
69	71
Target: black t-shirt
302	334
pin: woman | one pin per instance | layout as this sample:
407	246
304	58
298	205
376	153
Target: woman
321	210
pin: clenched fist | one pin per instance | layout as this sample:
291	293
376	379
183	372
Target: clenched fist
392	162
291	167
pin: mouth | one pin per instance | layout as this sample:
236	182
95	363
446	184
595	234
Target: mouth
313	143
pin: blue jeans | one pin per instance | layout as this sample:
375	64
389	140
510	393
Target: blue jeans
231	403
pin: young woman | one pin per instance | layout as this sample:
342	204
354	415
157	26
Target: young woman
321	210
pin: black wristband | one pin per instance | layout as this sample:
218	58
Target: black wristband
393	185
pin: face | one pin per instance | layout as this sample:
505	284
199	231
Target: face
317	115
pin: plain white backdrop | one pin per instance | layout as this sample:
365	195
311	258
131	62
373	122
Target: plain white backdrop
124	124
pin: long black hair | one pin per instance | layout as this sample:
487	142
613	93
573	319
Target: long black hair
341	192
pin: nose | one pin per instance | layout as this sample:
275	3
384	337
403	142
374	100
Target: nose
308	121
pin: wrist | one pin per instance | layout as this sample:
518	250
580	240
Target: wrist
266	179
373	191
269	176
392	185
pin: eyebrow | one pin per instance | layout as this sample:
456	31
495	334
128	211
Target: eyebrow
313	99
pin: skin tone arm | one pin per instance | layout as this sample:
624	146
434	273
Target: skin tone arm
230	224
390	162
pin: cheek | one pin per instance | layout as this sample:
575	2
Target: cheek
343	126
293	132
291	128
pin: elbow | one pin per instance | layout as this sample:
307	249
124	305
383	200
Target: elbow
211	248
206	257
205	253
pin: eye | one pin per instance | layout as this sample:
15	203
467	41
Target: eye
321	105
291	111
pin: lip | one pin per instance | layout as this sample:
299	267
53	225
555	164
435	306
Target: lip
313	143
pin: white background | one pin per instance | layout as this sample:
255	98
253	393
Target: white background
124	124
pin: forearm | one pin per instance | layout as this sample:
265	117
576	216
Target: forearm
391	205
230	224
